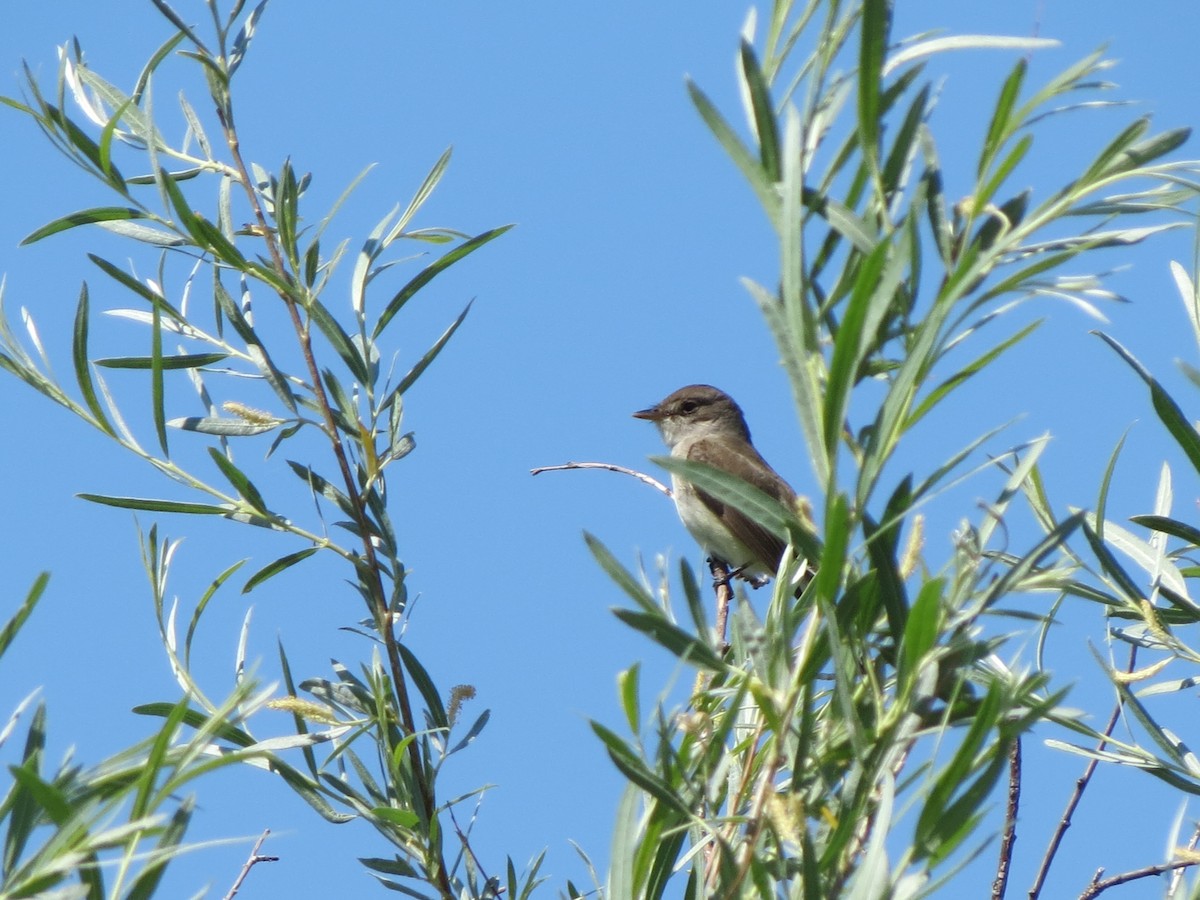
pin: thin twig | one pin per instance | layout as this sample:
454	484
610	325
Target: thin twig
1000	884
250	863
1080	785
374	579
640	476
1098	885
721	577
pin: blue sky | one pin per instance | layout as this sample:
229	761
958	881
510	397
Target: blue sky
619	284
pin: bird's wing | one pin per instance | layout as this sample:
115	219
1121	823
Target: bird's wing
766	547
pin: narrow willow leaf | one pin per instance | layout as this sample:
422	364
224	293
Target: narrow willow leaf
876	23
13	625
869	290
618	573
180	361
340	341
431	181
760	507
154	236
225	427
156	380
430	272
687	647
627	685
922	49
1168	410
149	505
153	298
750	167
1170	526
430	355
83	217
269	571
966	372
473	732
424	684
322	486
763	113
79	355
241	483
1001	125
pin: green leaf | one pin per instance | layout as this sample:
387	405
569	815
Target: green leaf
1168	410
763	509
627	686
240	482
322	486
1170	526
430	272
269	571
179	361
13	625
764	113
876	23
84	217
148	505
156	380
674	639
79	356
618	573
403	818
337	337
750	167
423	363
1001	125
420	677
155	300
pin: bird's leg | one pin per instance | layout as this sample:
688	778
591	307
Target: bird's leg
755	581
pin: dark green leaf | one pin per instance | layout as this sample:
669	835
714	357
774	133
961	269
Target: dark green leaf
79	356
148	505
269	571
240	482
179	361
764	113
1168	410
84	217
430	272
420	677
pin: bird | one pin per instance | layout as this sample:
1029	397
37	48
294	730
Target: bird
703	424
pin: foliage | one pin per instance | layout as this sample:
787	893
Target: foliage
848	741
340	393
844	743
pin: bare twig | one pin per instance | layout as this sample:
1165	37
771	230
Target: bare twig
611	467
250	863
1099	885
1080	785
1000	884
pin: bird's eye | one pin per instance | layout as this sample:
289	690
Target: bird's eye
688	406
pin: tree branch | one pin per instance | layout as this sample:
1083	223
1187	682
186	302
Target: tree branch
611	467
1098	885
1009	839
250	863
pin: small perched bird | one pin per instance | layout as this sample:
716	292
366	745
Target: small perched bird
703	424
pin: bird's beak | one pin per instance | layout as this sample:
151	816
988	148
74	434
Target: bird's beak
653	414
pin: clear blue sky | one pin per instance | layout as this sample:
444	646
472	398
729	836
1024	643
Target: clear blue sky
622	275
